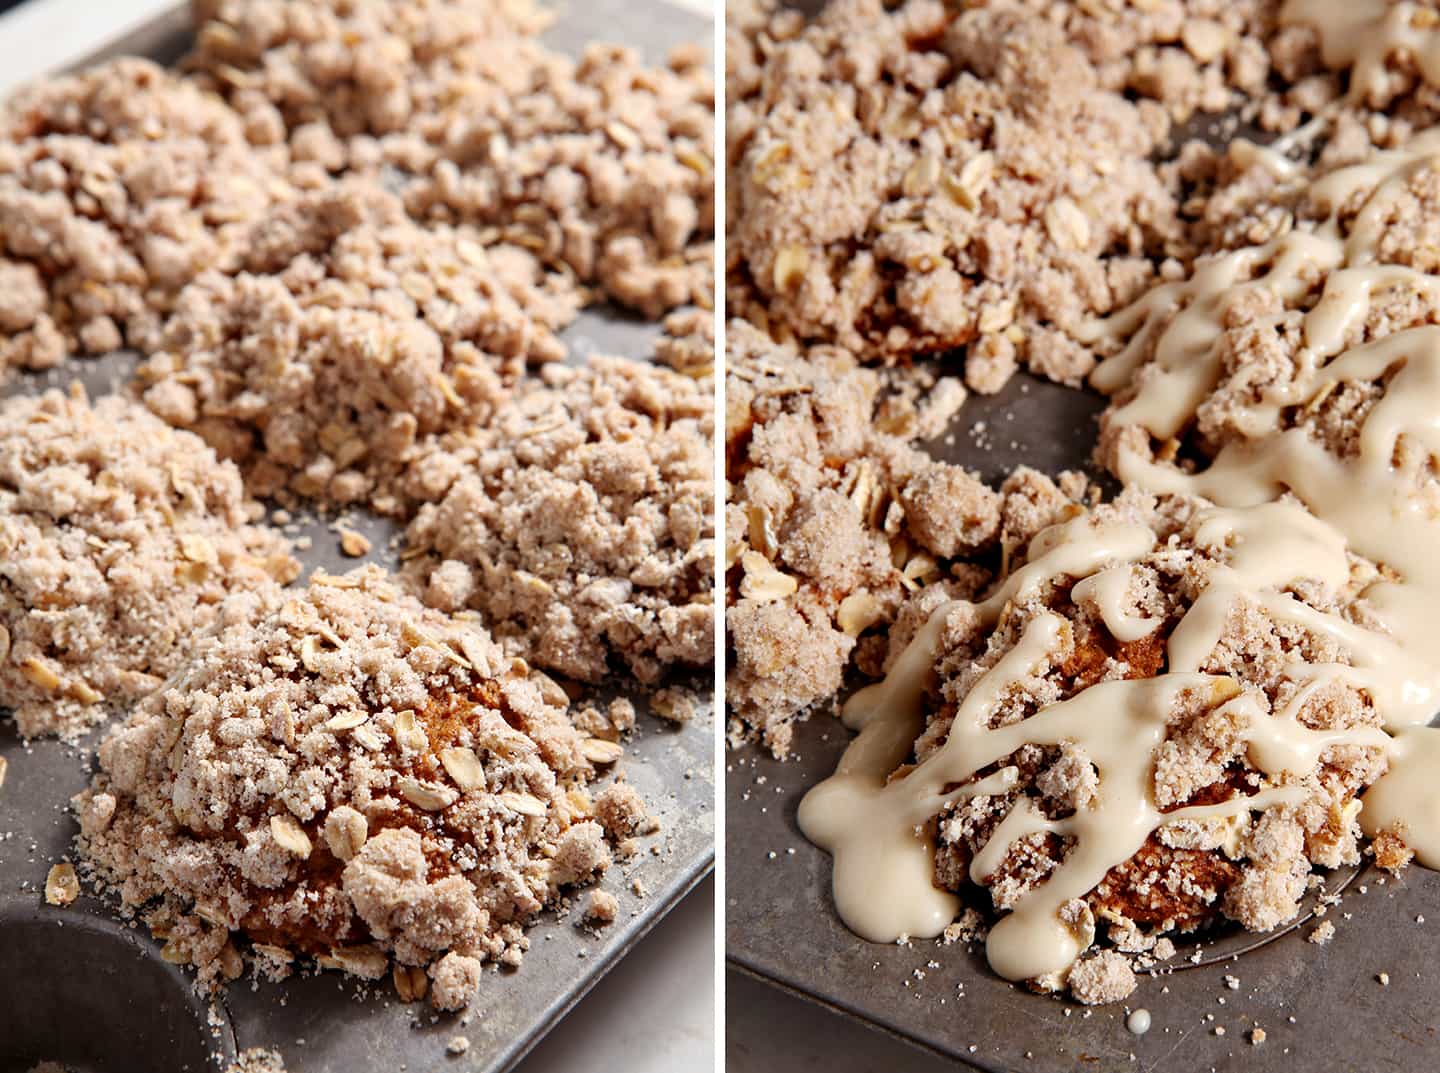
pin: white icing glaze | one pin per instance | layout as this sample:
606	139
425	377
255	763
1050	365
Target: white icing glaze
877	829
1108	592
1369	500
874	828
1362	34
1407	796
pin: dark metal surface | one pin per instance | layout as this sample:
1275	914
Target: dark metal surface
106	1002
781	923
92	996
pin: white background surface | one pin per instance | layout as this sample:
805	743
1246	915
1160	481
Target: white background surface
654	1012
44	35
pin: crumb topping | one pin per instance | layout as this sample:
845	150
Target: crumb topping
580	520
602	166
1190	872
920	179
354	778
123	542
344	239
349	334
993	177
838	526
117	186
121	185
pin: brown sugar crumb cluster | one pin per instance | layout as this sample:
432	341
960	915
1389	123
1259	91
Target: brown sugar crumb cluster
258	1060
353	779
1193	872
346	70
579	521
1325	118
921	179
1102	978
122	542
602	166
117	186
120	186
349	333
837	527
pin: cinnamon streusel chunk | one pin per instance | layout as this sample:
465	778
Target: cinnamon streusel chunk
578	521
122	542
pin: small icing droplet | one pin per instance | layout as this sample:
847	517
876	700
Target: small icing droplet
1138	1022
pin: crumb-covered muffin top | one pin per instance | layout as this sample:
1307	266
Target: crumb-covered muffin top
355	778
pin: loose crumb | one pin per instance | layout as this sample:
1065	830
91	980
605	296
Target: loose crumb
1102	978
258	1060
454	979
62	886
354	544
838	527
602	907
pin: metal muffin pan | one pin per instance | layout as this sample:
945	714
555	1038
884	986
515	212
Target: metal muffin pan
781	923
81	987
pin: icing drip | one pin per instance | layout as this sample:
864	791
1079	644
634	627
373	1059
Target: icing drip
1363	34
1407	796
1370	499
1374	498
1107	590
